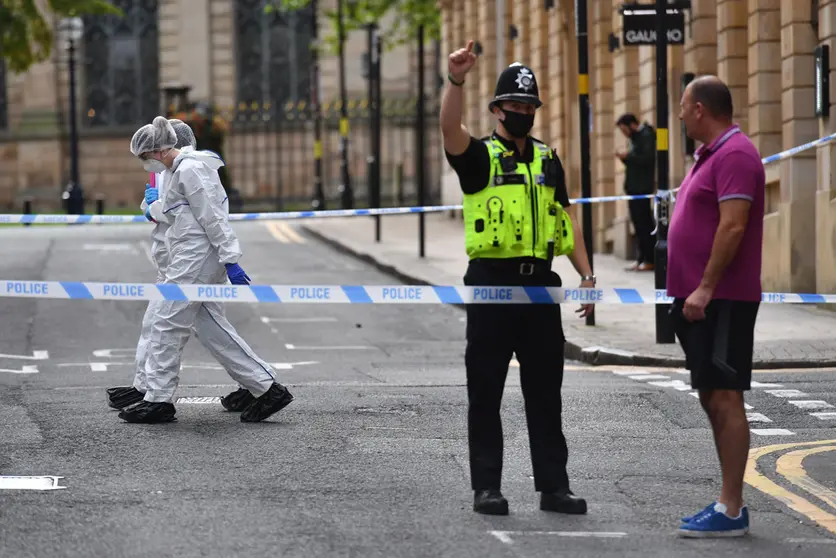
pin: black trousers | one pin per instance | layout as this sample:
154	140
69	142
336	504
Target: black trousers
534	333
641	214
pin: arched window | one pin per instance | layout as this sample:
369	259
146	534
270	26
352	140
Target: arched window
273	56
122	65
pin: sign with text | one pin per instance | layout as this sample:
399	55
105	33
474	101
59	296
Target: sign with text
640	26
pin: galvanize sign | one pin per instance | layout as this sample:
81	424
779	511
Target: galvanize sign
640	26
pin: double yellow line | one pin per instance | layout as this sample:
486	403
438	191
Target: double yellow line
790	467
284	233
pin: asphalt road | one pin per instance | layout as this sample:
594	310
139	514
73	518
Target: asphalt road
371	457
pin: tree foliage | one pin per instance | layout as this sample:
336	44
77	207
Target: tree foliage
408	17
26	28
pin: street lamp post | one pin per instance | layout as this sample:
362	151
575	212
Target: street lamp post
72	30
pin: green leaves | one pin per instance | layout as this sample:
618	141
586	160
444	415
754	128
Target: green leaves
406	17
26	37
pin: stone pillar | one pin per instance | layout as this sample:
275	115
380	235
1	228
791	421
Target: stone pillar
486	14
601	97
676	157
475	108
556	68
764	65
647	84
539	62
732	21
701	49
825	213
222	71
798	173
572	158
625	99
519	10
460	39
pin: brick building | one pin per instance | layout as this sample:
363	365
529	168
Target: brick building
230	54
762	48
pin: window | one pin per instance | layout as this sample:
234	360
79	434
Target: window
122	65
4	106
273	54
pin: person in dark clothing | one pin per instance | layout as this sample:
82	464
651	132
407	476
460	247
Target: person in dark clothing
639	178
515	206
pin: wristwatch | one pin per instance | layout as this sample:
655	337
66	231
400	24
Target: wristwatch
588	278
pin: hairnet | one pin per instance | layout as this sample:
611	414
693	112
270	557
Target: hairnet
154	137
184	133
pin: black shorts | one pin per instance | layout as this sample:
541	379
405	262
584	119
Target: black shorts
719	349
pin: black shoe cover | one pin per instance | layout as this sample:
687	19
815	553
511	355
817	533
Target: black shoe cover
237	401
149	413
276	399
120	397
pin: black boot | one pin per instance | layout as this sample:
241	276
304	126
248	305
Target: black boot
490	502
562	502
276	399
120	397
149	413
238	400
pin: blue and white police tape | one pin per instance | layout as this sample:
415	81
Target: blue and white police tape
357	294
15	218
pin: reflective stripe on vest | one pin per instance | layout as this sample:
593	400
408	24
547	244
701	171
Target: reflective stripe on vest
516	214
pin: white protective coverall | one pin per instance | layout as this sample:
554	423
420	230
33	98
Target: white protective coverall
194	210
206	329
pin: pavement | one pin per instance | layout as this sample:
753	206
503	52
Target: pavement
371	457
785	335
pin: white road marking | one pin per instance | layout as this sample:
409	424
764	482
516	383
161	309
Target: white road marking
824	416
267	320
505	536
786	393
757	417
98	367
113	247
649	377
755	384
292	347
30	483
747	407
629	372
36	355
198	400
108	353
103	366
772	432
26	369
678	385
811	404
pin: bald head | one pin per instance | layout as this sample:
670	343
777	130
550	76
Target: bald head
714	95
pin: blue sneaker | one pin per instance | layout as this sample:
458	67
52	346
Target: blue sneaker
708	509
715	523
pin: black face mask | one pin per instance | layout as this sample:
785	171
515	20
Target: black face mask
517	123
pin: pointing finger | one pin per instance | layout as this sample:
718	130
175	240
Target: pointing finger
469	46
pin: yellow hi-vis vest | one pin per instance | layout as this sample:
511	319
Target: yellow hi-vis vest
516	215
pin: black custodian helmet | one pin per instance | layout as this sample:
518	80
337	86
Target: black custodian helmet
516	83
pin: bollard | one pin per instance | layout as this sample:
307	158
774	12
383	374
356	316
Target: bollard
100	204
27	209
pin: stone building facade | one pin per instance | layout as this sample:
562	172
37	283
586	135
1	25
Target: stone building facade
231	55
763	49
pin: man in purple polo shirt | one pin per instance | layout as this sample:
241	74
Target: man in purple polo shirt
714	274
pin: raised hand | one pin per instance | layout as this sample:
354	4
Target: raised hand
461	61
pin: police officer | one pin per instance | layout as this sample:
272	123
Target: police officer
515	203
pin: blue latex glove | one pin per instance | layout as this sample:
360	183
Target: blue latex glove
151	194
236	274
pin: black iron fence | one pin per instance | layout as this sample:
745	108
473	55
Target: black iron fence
269	153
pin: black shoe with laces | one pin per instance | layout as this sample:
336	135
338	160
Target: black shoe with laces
490	502
149	413
238	400
120	397
273	401
562	501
